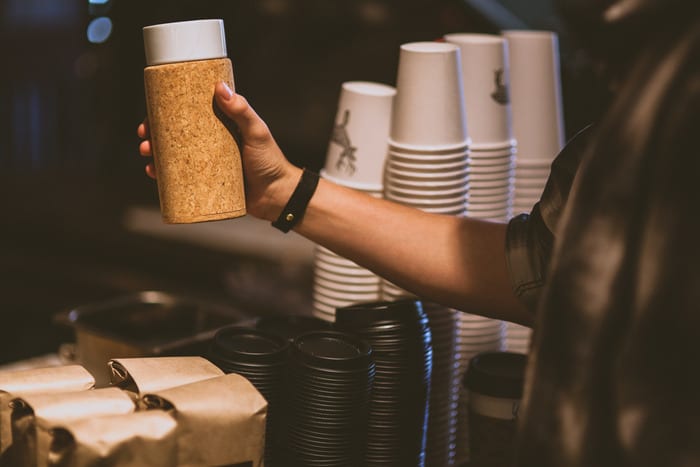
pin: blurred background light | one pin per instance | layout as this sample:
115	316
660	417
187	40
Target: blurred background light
99	30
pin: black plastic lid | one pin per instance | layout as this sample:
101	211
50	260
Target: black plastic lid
332	349
497	374
248	345
406	310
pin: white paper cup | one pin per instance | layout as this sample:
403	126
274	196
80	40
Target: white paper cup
478	198
321	265
485	80
427	193
476	183
352	296
421	202
540	172
345	279
429	104
502	166
506	167
504	176
417	176
459	211
536	101
485	332
341	286
498	146
534	162
421	181
532	183
479	161
319	313
428	158
359	140
427	168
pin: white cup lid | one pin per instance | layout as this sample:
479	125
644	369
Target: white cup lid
184	41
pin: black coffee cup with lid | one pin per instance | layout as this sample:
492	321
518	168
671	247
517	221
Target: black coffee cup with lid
494	381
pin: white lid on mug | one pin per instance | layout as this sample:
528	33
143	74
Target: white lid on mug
184	41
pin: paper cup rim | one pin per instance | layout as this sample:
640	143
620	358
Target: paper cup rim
369	88
473	38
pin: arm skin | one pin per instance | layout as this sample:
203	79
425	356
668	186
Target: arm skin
455	261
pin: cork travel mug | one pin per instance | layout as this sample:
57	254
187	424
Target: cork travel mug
200	177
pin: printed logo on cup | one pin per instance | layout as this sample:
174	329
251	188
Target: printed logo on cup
500	93
346	160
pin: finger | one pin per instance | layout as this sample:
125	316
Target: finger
151	171
253	129
142	130
145	148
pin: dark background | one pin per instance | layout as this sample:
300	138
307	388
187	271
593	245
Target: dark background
69	164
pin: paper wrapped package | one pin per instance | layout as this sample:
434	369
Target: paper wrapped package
220	421
143	375
68	378
139	439
33	416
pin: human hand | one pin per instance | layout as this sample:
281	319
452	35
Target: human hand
269	177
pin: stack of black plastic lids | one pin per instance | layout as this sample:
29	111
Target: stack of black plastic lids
330	377
261	357
400	337
444	388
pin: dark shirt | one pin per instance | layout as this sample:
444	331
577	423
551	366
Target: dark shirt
530	236
608	261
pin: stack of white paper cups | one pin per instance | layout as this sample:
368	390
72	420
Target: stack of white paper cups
538	126
428	167
355	159
486	100
538	122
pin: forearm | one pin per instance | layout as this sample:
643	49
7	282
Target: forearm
454	261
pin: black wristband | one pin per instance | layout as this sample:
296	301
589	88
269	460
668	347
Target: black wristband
296	206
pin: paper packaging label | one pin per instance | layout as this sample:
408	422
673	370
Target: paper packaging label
13	384
221	421
139	439
34	415
150	374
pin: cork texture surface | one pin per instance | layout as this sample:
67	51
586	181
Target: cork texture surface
197	160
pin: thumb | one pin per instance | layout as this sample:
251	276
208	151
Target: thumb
254	130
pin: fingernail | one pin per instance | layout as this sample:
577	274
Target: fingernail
224	91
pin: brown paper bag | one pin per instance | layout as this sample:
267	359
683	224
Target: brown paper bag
41	380
33	415
139	439
141	375
221	421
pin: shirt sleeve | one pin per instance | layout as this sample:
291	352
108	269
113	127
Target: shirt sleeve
530	236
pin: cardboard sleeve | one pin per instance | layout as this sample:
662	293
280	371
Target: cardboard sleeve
221	421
